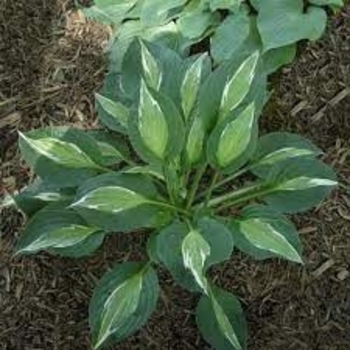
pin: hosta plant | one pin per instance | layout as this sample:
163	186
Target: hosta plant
273	26
183	159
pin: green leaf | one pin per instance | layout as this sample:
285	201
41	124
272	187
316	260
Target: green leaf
152	123
293	22
109	12
195	251
274	149
122	302
59	152
169	248
233	142
263	234
224	4
339	3
60	238
116	114
150	130
190	85
295	189
236	137
304	183
195	141
141	216
111	199
38	194
151	71
221	320
223	43
237	87
195	24
60	231
155	12
273	220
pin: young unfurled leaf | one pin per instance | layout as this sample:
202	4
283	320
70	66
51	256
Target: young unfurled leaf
60	238
221	320
236	137
266	236
190	85
151	70
63	153
195	251
111	199
122	302
237	87
195	141
152	124
117	114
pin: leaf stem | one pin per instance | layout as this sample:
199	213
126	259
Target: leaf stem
241	195
195	185
223	182
211	187
170	206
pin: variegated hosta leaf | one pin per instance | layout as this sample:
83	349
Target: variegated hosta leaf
237	87
119	307
152	124
283	154
264	236
118	112
221	320
236	137
122	302
304	183
64	153
60	238
190	85
224	324
195	251
111	199
151	70
195	141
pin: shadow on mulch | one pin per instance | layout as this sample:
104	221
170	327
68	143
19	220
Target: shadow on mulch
51	62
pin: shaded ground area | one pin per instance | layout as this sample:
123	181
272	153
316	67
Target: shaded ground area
51	62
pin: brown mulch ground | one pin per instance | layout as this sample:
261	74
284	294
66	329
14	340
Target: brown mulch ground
51	61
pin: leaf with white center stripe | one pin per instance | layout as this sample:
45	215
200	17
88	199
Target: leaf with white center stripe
111	199
221	320
122	302
116	116
304	183
195	250
195	141
120	305
236	137
60	238
151	70
224	324
152	124
237	87
59	230
63	153
266	236
190	85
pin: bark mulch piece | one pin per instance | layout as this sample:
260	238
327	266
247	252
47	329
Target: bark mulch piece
51	63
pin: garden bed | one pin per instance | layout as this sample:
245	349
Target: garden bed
51	63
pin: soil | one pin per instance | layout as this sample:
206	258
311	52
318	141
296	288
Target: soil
51	62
